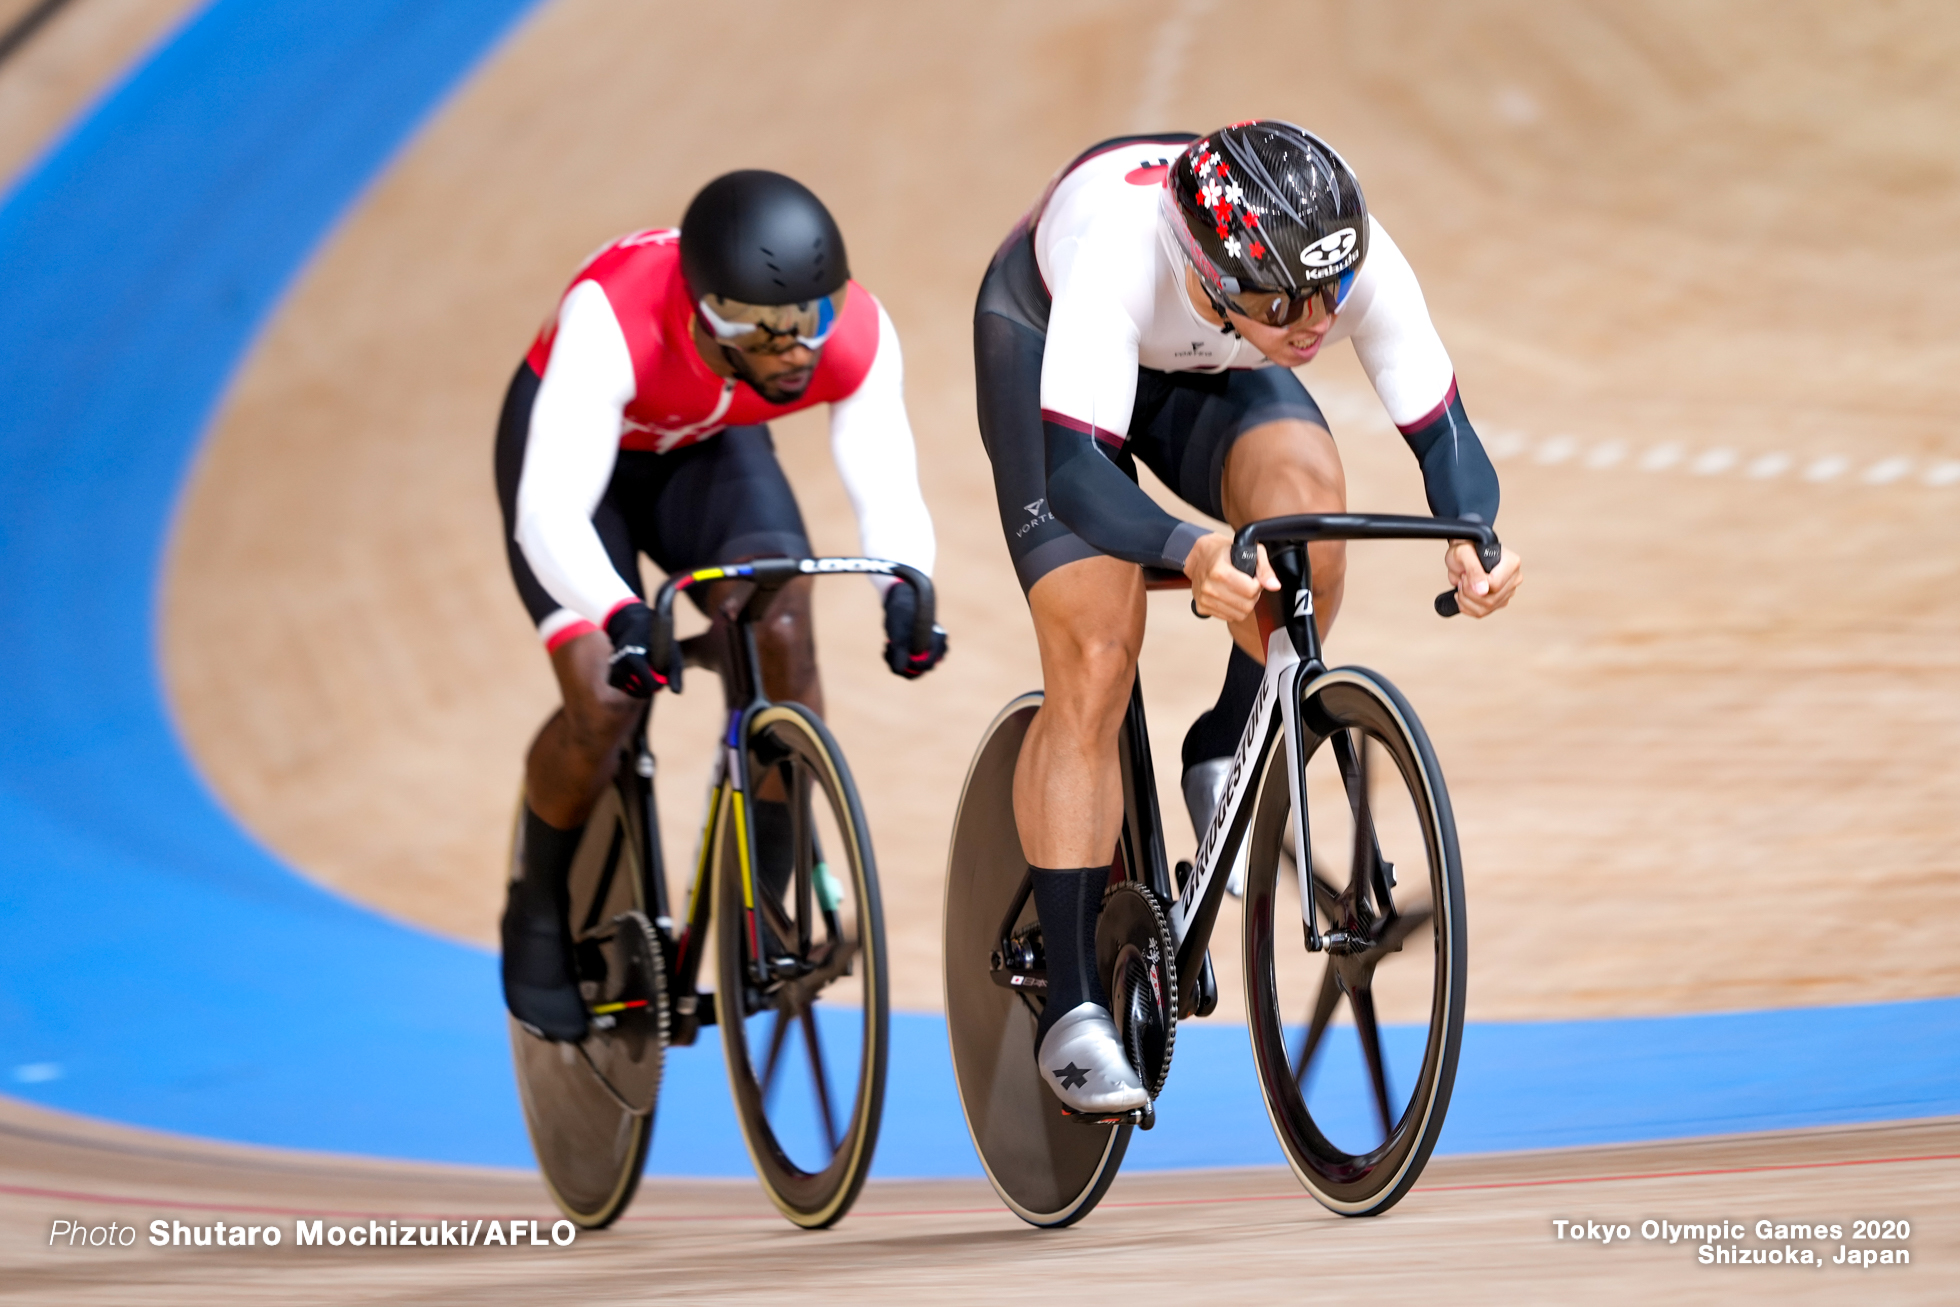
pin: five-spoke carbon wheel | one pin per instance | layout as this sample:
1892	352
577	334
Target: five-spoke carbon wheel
589	1106
1356	1045
802	973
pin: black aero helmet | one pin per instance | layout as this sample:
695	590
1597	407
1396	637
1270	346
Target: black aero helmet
1266	205
761	238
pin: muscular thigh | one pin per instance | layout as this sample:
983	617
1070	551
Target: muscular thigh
1280	468
721	500
1187	425
1089	622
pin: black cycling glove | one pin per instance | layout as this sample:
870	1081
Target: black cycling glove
901	606
631	629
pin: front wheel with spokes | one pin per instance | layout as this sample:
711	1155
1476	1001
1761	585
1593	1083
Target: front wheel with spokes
801	960
1356	1044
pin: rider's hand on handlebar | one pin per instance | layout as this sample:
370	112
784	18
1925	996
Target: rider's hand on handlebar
1481	593
631	630
901	607
1218	589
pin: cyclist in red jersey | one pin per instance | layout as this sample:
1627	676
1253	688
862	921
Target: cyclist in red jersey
637	424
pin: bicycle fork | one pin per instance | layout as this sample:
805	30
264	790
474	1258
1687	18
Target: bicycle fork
1296	771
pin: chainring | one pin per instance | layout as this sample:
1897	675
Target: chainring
1138	964
626	1044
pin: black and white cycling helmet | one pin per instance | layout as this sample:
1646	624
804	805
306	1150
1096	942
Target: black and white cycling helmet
1269	216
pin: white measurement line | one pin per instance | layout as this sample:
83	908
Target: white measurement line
1660	458
1553	451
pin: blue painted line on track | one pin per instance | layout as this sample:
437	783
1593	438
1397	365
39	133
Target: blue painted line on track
156	965
160	968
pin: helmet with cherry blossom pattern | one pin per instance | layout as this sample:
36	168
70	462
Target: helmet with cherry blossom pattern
1265	206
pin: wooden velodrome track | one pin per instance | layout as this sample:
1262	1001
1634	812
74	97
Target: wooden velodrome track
1702	765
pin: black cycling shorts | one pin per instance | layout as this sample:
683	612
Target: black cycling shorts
718	501
1181	428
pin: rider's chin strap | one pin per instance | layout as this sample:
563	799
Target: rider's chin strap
1224	314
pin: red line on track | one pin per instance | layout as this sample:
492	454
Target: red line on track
1672	1175
124	1200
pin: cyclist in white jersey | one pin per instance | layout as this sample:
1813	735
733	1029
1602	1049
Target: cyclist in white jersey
1150	307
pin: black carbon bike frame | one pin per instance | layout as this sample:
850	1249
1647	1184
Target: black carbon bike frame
1293	662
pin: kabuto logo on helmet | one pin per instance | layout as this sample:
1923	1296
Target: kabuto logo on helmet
1330	252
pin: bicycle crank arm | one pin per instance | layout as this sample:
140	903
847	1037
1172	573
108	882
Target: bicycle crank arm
1020	981
692	1012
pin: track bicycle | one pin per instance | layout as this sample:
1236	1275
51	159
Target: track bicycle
1353	901
801	971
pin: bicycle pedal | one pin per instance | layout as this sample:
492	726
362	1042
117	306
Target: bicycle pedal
1145	1117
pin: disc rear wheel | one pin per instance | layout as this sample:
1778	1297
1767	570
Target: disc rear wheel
1049	1170
589	1106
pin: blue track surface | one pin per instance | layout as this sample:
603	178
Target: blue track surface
160	968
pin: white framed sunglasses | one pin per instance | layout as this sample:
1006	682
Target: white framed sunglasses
772	328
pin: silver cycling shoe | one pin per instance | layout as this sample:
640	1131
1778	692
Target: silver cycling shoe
1083	1062
1204	790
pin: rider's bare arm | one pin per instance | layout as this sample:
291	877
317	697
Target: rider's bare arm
569	458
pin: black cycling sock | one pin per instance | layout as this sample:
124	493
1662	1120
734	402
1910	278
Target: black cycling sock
540	981
1068	902
1218	729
